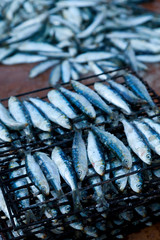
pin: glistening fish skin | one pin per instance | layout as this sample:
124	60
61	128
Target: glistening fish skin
136	142
37	119
66	171
152	138
50	170
80	101
79	155
138	88
95	154
59	101
92	96
112	96
36	175
52	113
6	118
115	145
125	92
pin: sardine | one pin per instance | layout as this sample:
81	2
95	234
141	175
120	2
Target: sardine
80	102
92	96
79	155
59	101
7	119
38	120
4	133
112	97
36	175
53	114
67	173
95	155
136	142
115	145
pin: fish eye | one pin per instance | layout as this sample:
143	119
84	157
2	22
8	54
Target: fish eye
148	156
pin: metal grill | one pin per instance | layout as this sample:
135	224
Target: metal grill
118	202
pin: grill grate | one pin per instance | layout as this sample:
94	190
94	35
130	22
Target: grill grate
118	202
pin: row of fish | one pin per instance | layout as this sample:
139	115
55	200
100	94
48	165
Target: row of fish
66	106
44	172
74	38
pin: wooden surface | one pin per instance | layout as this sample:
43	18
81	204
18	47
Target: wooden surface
14	80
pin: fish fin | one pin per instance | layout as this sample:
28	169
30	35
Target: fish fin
29	216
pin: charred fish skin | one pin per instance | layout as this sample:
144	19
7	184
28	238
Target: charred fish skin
50	170
8	121
92	96
79	155
151	137
136	142
115	145
53	114
36	175
80	101
112	96
95	155
37	119
67	172
59	101
139	88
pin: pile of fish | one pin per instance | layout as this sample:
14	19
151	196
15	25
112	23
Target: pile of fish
92	156
76	37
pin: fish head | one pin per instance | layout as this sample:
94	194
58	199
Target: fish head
65	209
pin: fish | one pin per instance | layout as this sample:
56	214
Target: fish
95	154
135	180
79	156
4	133
136	142
74	222
42	67
98	191
128	95
67	172
65	69
151	137
18	112
20	58
46	138
93	56
80	102
141	210
91	231
121	182
36	175
54	76
23	192
8	121
115	145
139	88
3	205
37	119
59	101
154	125
112	96
53	114
50	171
92	96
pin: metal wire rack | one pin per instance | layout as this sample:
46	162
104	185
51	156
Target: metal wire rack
119	202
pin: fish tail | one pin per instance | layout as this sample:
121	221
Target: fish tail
29	216
76	200
59	193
